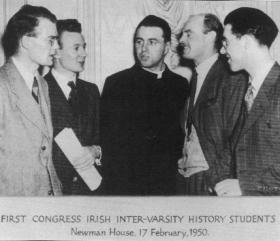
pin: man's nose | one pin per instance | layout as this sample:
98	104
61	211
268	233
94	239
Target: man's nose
144	46
182	38
83	52
55	45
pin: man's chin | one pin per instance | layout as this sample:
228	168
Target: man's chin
145	64
234	68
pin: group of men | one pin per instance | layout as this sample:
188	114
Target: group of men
217	134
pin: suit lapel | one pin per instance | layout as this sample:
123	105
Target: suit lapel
208	90
261	102
45	106
24	100
58	98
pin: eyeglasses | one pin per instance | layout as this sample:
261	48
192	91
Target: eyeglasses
51	39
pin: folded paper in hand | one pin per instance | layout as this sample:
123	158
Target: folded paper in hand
73	150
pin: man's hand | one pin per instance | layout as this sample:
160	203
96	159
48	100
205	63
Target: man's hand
91	155
182	166
96	153
228	188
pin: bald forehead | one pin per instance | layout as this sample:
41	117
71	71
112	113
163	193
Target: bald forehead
195	21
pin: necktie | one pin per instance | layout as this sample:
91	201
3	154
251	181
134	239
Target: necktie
73	96
191	102
249	97
35	90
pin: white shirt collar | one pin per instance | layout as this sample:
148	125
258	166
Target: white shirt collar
158	73
204	67
26	74
62	81
258	80
202	70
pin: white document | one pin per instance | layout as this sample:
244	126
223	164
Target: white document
73	150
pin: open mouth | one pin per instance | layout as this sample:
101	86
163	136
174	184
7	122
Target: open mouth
144	57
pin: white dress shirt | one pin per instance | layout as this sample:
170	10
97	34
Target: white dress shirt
202	70
62	81
258	80
26	74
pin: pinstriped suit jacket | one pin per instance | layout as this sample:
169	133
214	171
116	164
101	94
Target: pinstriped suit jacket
214	117
257	148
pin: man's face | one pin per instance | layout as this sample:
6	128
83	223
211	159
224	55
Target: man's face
233	47
193	40
42	47
150	47
72	53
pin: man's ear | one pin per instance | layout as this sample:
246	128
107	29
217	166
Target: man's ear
25	42
167	47
247	41
211	36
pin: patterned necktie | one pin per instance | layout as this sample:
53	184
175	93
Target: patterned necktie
191	102
35	90
249	97
73	96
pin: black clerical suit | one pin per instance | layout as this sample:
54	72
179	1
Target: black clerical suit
141	135
83	118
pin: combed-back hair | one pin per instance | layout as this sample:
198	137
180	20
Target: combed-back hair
23	23
253	22
69	25
154	21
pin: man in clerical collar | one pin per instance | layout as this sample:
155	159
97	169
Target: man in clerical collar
74	104
249	33
141	135
209	122
29	41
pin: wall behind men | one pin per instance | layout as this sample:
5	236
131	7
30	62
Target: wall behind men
108	26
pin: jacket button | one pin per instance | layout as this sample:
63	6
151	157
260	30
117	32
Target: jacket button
75	179
50	193
43	148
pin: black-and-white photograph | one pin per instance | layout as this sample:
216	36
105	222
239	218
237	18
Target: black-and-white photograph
139	120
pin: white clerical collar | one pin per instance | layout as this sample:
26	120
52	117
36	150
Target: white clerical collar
26	74
63	80
158	73
259	79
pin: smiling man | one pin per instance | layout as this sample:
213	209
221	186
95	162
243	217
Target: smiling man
210	114
249	33
74	104
140	118
26	165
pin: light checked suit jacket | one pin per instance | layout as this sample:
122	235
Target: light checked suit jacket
26	167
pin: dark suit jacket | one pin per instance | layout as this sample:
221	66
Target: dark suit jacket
85	126
140	131
257	147
214	117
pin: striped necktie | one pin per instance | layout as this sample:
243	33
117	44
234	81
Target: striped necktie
35	90
249	97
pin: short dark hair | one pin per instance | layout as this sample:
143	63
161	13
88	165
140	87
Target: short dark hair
212	23
23	23
154	21
254	22
69	25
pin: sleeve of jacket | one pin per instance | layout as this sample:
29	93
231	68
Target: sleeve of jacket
96	121
231	96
